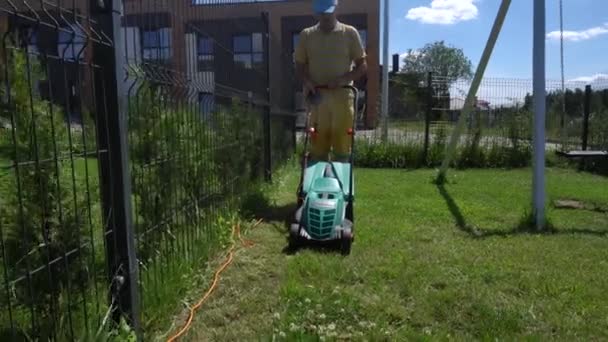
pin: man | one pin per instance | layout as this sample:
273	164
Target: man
324	58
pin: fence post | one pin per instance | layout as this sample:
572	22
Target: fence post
267	126
427	115
586	113
294	138
115	180
267	146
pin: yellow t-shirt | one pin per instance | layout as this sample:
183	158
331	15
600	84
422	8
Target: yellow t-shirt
329	55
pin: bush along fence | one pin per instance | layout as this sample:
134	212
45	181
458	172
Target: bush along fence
117	182
425	108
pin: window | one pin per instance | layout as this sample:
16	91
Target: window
363	34
205	49
206	103
249	50
205	53
295	39
30	39
70	43
156	44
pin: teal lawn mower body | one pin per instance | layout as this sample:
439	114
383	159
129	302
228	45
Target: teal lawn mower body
325	210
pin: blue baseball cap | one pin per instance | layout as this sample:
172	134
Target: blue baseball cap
324	6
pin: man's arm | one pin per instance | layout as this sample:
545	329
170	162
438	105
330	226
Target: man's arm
302	72
358	72
301	59
304	76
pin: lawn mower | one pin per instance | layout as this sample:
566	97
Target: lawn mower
325	195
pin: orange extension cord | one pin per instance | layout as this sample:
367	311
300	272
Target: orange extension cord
230	257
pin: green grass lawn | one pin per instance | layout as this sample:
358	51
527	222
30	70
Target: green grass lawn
428	263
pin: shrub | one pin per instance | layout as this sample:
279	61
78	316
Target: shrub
45	216
475	152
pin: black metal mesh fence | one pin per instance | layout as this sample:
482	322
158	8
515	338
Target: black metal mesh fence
86	209
52	233
424	110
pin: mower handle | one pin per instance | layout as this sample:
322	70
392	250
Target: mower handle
350	87
351	132
353	88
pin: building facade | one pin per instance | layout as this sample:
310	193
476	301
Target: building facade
222	45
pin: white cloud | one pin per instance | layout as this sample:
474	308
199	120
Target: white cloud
591	79
444	12
576	36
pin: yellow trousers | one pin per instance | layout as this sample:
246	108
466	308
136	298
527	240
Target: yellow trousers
332	119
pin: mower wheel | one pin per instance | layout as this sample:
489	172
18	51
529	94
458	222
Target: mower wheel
346	242
350	215
298	215
350	227
294	235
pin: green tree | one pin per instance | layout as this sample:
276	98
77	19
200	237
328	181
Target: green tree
440	59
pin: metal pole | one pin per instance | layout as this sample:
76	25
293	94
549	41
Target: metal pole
396	63
385	88
586	114
469	102
539	113
115	176
266	121
427	116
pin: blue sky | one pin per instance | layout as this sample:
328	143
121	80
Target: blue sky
466	24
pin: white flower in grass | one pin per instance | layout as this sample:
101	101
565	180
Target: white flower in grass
276	315
322	316
331	326
307	300
282	334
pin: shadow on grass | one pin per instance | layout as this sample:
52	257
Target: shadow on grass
256	204
525	226
329	247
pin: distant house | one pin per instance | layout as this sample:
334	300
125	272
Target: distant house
457	103
482	107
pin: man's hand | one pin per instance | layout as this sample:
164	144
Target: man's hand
357	73
337	83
